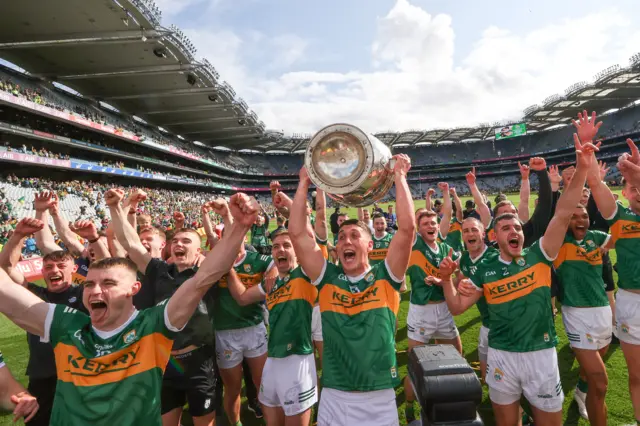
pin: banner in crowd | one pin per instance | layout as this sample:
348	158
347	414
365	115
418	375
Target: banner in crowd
32	270
111	170
33	159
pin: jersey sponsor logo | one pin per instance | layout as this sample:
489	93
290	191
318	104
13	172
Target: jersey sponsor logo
380	254
129	338
428	267
574	253
625	229
296	289
149	352
378	296
519	285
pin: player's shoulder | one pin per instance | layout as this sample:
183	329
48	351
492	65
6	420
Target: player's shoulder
298	272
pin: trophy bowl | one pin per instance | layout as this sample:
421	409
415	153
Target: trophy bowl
352	167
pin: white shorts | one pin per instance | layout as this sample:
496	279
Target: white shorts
290	383
588	328
376	408
628	317
316	324
232	346
432	321
483	344
536	374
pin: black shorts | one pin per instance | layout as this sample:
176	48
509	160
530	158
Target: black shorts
607	273
44	390
192	377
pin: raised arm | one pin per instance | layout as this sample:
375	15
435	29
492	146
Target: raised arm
10	254
309	254
481	205
220	207
130	205
87	230
241	294
525	193
115	248
402	241
125	233
457	203
22	307
629	165
67	236
207	223
570	198
428	199
447	209
275	186
321	215
45	201
219	261
456	301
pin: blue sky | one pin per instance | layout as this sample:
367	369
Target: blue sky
403	64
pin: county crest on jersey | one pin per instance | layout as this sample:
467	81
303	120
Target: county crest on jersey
115	380
518	295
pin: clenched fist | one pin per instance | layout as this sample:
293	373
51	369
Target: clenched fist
85	229
113	197
244	209
28	226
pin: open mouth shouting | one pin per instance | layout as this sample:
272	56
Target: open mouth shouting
56	279
349	255
179	252
282	261
514	243
98	310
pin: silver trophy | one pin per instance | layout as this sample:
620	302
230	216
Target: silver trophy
350	166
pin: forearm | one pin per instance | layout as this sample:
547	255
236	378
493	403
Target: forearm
208	228
100	250
44	238
9	386
67	236
404	206
22	307
321	215
458	203
602	195
455	302
570	198
124	232
242	295
297	213
445	222
11	252
481	206
523	207
427	202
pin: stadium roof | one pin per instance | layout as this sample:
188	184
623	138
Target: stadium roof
118	52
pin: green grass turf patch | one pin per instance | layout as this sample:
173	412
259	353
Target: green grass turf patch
13	344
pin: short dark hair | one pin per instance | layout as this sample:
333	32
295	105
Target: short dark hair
58	256
360	224
114	262
502	204
505	216
428	213
342	214
279	233
378	216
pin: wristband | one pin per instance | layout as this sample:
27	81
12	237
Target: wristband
94	241
131	211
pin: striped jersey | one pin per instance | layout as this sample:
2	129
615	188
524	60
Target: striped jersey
358	327
226	312
469	267
108	378
579	271
425	262
625	231
290	302
380	248
518	295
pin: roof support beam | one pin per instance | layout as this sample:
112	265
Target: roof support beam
205	120
136	72
223	130
128	36
198	108
158	94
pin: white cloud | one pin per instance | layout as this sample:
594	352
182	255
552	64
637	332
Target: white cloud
414	82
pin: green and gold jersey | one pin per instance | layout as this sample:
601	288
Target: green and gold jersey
518	295
290	302
323	247
380	248
469	267
625	231
454	237
425	262
579	271
108	378
259	236
227	313
490	232
358	326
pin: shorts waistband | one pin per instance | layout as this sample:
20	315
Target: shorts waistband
629	295
367	396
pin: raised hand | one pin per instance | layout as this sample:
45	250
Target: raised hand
471	177
444	187
113	197
137	196
448	266
244	209
431	192
28	226
524	171
554	175
85	229
402	164
274	185
537	164
629	165
604	170
452	192
26	406
44	200
567	175
304	176
586	130
219	206
585	152
281	200
178	216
